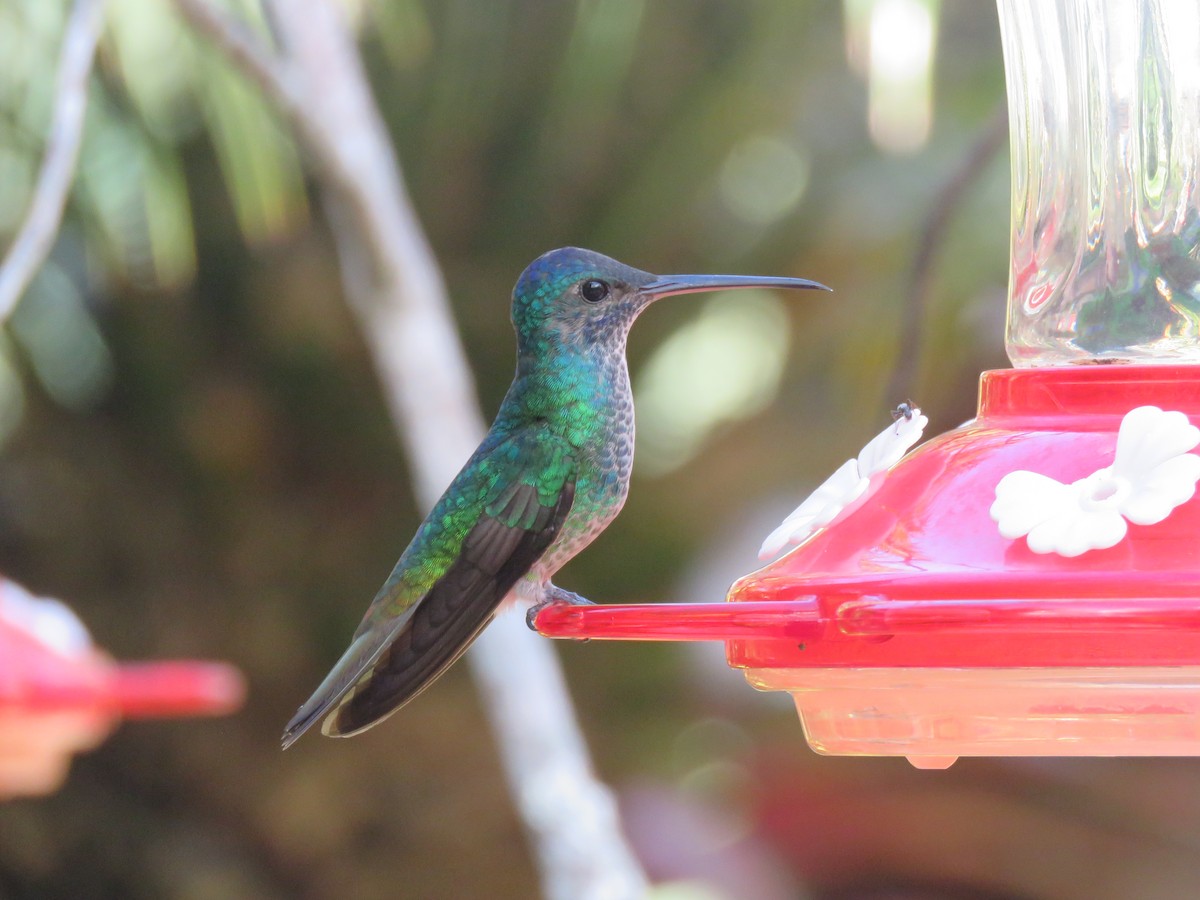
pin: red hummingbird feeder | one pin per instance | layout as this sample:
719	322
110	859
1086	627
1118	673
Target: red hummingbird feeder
1027	584
50	666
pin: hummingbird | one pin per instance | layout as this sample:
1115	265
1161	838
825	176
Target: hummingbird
551	474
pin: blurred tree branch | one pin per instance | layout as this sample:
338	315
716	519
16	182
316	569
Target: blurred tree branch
396	289
35	238
933	234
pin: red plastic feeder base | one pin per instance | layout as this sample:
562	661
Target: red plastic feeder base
911	627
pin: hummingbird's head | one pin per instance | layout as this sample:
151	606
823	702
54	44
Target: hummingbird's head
574	297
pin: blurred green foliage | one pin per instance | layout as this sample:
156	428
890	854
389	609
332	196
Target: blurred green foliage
198	457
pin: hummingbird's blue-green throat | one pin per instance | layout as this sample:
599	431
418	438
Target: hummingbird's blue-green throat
552	472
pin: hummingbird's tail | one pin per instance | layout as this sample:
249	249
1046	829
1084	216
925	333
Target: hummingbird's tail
374	677
419	654
393	658
389	663
356	660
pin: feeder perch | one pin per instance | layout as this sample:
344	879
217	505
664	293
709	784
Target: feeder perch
1027	584
50	666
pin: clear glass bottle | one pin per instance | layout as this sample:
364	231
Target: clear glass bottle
1104	110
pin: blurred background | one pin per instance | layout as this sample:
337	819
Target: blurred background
197	456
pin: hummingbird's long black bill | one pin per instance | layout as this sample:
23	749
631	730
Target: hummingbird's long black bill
671	285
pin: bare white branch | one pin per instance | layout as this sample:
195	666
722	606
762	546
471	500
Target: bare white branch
36	236
397	291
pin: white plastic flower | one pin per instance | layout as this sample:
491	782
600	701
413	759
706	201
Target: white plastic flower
1152	473
849	482
48	621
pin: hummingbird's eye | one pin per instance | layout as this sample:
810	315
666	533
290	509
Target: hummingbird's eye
593	290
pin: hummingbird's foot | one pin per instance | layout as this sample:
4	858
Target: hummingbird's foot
554	596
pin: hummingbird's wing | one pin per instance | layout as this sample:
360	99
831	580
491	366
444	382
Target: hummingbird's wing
523	490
